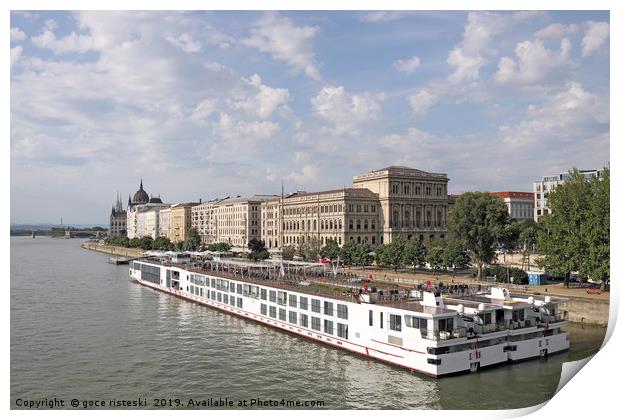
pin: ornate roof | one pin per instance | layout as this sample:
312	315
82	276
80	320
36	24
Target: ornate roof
140	197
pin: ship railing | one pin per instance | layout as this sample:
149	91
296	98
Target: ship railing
457	332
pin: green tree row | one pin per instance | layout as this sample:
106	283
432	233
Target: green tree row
575	235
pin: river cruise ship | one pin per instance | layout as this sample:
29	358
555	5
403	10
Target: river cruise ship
433	330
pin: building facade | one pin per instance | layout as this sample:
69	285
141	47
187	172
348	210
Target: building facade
348	214
520	204
118	219
148	220
549	183
164	222
180	221
412	203
203	219
238	220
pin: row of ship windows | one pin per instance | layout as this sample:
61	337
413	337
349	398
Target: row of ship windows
278	296
342	330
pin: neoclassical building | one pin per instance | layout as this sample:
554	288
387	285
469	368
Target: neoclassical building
383	204
348	214
238	220
413	203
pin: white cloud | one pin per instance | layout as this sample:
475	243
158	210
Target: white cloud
407	65
595	37
308	173
279	37
185	42
422	101
264	102
535	63
344	112
557	30
466	65
245	131
384	16
71	43
203	110
15	54
566	117
50	24
17	35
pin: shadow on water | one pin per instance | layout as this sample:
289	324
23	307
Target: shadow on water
81	329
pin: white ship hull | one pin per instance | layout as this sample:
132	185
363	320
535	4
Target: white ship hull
405	348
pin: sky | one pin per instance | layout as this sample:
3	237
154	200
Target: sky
215	104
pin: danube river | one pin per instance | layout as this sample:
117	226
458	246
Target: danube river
81	329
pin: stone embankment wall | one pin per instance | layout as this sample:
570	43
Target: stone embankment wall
113	250
587	311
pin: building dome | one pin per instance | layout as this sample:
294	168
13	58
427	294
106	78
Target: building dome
156	200
140	197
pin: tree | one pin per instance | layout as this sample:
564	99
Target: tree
146	243
288	252
331	250
478	220
219	247
162	243
346	253
309	250
192	242
393	254
435	257
361	254
415	252
257	249
134	243
575	235
455	255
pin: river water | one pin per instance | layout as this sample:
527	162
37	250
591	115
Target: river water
81	329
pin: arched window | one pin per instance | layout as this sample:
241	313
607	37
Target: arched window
395	218
359	225
331	225
365	224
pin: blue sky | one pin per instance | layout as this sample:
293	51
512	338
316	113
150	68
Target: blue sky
206	104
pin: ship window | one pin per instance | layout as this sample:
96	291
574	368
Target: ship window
316	323
281	298
303	302
316	305
191	289
225	298
446	324
240	289
231	287
328	326
272	295
239	302
343	330
282	314
292	301
292	317
395	322
328	308
343	311
263	309
219	297
263	294
272	311
370	318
